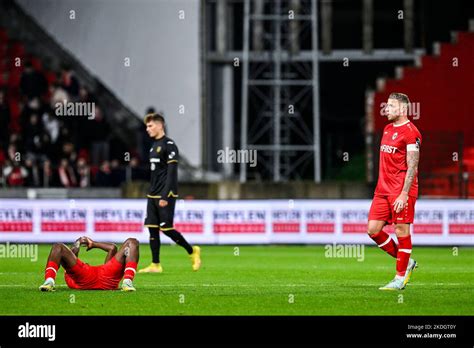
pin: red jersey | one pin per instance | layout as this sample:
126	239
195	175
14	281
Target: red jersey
396	140
87	277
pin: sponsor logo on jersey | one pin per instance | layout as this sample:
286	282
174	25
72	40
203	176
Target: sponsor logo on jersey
388	148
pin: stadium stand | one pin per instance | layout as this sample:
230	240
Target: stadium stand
441	85
57	152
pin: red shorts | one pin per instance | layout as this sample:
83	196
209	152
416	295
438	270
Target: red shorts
86	277
382	209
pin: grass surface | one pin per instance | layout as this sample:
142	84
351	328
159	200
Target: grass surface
262	280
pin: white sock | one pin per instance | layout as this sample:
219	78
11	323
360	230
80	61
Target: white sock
399	277
49	280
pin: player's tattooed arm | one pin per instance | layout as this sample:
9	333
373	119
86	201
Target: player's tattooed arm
413	157
412	164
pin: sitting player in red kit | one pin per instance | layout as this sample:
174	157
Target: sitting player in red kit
79	275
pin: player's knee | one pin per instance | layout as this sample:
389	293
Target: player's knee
371	230
401	231
58	246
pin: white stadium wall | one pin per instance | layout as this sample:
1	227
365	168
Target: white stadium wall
437	222
163	51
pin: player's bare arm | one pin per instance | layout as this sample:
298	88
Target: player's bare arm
110	248
413	158
81	241
76	246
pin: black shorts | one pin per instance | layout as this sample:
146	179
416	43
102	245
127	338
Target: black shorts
157	216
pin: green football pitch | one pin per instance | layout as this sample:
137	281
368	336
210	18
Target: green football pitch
254	280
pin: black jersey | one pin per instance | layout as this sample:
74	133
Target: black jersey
164	158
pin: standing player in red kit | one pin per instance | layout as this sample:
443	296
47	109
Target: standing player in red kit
397	188
80	275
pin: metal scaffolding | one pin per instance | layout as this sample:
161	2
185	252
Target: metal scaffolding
267	51
277	89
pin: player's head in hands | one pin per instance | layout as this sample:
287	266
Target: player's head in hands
397	107
155	125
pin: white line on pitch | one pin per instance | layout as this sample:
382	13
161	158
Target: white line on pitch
238	285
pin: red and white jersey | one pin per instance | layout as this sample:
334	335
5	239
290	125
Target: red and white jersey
396	141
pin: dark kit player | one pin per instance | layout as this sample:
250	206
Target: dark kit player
397	188
80	275
164	157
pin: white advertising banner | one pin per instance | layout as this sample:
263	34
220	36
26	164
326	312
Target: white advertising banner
437	222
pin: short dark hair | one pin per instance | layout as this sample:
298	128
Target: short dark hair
400	97
154	117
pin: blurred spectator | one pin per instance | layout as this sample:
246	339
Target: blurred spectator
32	107
45	149
13	153
69	82
137	172
67	176
85	96
14	173
48	176
99	132
51	126
104	175
69	152
83	172
33	84
15	140
33	135
33	174
117	173
58	95
4	120
83	124
64	134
